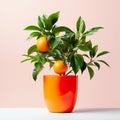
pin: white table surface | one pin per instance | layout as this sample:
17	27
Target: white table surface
44	114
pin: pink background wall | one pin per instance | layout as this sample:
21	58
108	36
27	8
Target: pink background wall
17	88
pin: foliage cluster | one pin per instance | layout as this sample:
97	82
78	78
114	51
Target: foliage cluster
73	47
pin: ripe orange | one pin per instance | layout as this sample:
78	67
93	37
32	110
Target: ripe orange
60	67
42	44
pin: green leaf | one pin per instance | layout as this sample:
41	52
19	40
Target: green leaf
32	27
69	42
86	55
62	29
45	17
91	72
25	55
50	20
93	51
76	62
34	58
90	64
92	31
104	62
80	25
41	22
82	40
69	37
55	42
77	35
25	60
53	18
32	49
39	57
83	67
97	65
37	68
87	46
57	54
102	53
48	23
33	34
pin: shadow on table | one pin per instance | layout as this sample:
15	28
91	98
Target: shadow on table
95	110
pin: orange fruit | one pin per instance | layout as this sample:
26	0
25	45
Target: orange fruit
42	44
60	67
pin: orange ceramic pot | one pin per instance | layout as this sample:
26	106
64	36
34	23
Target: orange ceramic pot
60	92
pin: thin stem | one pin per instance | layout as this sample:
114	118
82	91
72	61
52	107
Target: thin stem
68	72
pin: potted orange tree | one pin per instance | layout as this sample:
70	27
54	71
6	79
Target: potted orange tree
67	52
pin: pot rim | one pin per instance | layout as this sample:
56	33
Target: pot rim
62	75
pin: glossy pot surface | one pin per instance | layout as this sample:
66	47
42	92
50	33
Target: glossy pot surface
60	92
